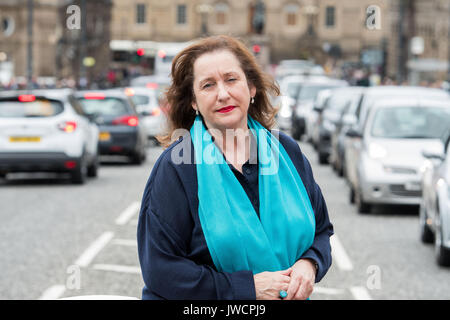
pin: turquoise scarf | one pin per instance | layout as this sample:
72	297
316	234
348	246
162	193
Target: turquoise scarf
236	238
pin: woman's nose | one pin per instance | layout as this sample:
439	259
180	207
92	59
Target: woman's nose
222	94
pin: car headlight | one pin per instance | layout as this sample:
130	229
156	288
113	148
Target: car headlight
377	151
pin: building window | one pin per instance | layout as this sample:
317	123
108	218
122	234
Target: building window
330	16
181	14
221	13
291	11
140	13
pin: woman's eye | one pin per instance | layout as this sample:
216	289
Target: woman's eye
231	79
207	85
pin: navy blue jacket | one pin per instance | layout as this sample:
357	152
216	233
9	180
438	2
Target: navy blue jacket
175	260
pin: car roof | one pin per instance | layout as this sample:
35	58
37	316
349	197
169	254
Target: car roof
380	90
56	94
411	102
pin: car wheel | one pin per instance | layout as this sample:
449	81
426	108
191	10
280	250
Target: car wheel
80	172
426	235
323	158
351	197
296	134
442	253
361	205
92	170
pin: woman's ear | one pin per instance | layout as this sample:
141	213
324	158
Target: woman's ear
252	90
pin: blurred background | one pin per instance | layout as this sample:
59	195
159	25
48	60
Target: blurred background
364	90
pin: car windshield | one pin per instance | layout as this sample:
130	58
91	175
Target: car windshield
339	100
410	122
37	108
292	89
105	107
310	92
140	99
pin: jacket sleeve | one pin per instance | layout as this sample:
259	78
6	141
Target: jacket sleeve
164	232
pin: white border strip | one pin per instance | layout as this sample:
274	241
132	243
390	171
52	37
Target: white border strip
89	254
339	254
128	213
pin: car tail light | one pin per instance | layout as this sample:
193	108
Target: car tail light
67	126
156	112
70	164
131	121
94	96
151	85
27	98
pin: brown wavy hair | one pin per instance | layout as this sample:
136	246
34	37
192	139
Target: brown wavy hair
180	94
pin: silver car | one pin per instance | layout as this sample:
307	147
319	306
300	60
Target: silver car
435	204
357	120
390	151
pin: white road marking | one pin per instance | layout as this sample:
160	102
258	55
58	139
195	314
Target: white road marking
125	242
89	254
128	213
53	293
360	293
329	291
117	268
340	256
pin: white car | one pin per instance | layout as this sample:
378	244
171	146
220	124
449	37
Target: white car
147	103
47	131
435	204
390	153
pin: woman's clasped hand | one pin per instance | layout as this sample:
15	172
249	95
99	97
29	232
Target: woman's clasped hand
297	281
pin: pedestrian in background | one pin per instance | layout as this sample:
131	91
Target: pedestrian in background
241	216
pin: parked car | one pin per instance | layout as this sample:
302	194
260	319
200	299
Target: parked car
435	202
159	82
390	156
305	102
121	128
147	103
353	141
47	131
329	117
312	116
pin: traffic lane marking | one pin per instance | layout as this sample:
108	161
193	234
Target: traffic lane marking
117	268
53	293
91	252
340	256
128	213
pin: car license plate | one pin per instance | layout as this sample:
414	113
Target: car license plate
412	186
104	136
24	139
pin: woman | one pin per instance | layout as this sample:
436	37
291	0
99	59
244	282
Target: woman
231	210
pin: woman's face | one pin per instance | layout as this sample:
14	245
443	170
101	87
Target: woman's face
222	94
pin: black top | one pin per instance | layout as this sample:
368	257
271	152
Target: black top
174	257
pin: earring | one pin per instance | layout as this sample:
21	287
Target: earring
253	100
196	112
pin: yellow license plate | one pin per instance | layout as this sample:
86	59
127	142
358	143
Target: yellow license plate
24	139
104	136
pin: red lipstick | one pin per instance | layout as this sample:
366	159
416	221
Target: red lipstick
226	109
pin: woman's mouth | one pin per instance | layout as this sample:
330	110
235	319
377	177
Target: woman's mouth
226	109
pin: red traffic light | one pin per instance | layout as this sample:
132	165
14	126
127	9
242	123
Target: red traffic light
140	52
256	48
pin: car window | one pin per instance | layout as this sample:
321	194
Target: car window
108	106
410	122
12	108
140	99
76	105
310	92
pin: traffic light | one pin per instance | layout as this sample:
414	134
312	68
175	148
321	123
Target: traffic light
256	49
140	52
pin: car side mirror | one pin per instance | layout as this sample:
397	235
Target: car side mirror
353	133
433	155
